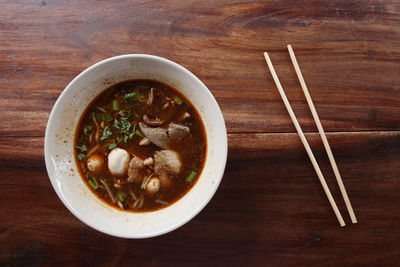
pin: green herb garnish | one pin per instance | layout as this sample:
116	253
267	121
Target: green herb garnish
121	196
87	129
191	176
139	133
106	133
129	114
133	96
125	113
116	124
112	145
115	104
81	156
103	117
178	100
123	126
93	183
82	148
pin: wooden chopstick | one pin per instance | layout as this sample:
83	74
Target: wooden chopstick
323	136
304	140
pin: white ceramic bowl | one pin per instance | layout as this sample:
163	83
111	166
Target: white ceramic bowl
59	150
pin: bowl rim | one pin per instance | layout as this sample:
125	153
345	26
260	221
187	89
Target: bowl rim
176	225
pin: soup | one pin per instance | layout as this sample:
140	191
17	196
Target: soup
140	145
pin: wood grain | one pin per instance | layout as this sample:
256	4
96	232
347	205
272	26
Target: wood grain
348	52
270	208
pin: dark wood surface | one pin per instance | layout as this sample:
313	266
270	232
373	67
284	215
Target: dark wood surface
270	209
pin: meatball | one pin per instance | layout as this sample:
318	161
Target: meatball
95	163
153	186
118	160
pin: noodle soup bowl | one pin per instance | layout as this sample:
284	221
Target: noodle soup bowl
59	146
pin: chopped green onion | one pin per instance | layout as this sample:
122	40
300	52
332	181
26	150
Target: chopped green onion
81	156
191	176
115	104
133	95
112	145
103	117
178	100
93	183
82	148
121	196
139	133
106	133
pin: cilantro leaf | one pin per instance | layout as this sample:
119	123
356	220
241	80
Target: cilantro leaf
123	126
112	146
116	124
87	129
82	148
106	133
81	156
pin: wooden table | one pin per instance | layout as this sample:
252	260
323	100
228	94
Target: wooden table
270	209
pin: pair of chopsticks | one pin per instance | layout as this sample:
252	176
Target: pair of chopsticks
304	140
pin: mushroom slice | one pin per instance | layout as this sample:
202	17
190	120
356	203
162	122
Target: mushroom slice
184	116
152	122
